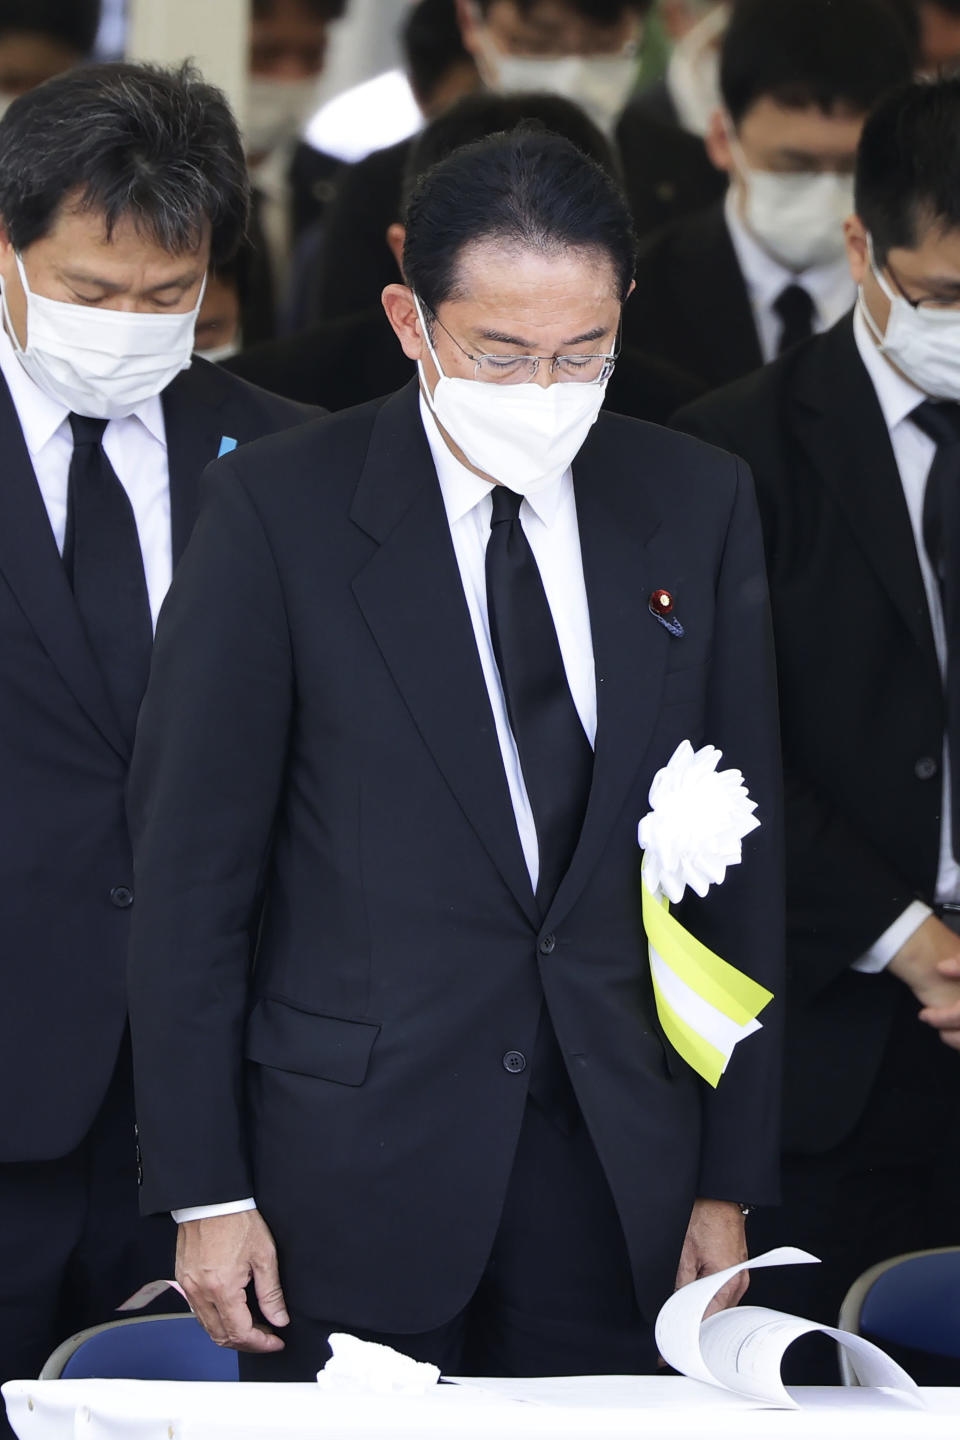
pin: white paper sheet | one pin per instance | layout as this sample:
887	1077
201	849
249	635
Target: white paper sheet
741	1349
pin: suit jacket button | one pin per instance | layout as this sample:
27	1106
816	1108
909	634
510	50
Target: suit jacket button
926	768
121	896
548	944
515	1062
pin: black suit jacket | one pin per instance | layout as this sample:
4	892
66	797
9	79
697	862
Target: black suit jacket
691	306
67	868
666	173
861	703
318	704
358	357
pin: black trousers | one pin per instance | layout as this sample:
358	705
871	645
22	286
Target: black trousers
72	1244
890	1187
556	1296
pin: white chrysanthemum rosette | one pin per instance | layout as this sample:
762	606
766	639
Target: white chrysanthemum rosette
695	829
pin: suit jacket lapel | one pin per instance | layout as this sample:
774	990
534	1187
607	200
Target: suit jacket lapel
717	302
617	516
192	414
32	567
844	429
412	598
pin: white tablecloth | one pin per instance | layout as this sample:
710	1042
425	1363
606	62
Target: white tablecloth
596	1408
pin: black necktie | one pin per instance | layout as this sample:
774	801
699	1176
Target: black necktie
795	309
555	755
104	565
941	537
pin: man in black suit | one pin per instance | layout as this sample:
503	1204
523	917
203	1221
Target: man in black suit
105	427
354	358
292	182
723	292
579	49
367	759
850	456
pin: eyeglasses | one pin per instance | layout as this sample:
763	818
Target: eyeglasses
926	302
518	369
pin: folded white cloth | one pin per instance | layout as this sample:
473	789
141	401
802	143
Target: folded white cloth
360	1366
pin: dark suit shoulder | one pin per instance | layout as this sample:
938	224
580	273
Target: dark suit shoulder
689	238
324	451
209	384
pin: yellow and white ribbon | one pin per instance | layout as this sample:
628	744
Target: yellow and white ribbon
692	834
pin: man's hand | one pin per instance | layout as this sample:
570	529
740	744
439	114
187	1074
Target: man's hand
929	963
946	1018
715	1239
216	1260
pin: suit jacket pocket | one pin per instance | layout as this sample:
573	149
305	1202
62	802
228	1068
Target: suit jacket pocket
325	1046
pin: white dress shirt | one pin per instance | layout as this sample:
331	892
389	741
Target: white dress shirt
830	287
549	521
914	452
136	448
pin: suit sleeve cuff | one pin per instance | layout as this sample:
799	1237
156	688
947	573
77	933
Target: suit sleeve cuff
207	1212
882	951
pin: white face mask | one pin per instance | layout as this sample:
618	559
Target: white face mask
923	343
526	435
798	219
693	71
101	363
277	111
600	84
218	353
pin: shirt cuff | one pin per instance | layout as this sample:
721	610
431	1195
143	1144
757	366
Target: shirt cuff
206	1212
881	952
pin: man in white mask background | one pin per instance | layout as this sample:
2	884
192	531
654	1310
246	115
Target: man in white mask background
584	50
408	699
291	181
727	290
854	442
119	185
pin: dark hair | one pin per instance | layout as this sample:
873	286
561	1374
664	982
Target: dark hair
73	22
952	7
530	190
319	9
432	44
908	165
602	12
476	117
158	147
829	53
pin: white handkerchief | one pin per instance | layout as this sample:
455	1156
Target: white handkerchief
360	1366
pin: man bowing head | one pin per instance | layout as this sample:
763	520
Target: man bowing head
397	1045
118	185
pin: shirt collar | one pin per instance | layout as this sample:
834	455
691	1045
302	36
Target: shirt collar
829	286
462	489
41	416
897	395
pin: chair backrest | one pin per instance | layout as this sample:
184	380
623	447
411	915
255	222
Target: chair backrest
911	1300
147	1347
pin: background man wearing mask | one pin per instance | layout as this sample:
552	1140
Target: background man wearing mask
378	683
854	441
584	50
722	292
118	186
356	357
291	182
40	39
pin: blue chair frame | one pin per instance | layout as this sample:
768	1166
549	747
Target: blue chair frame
911	1300
146	1347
